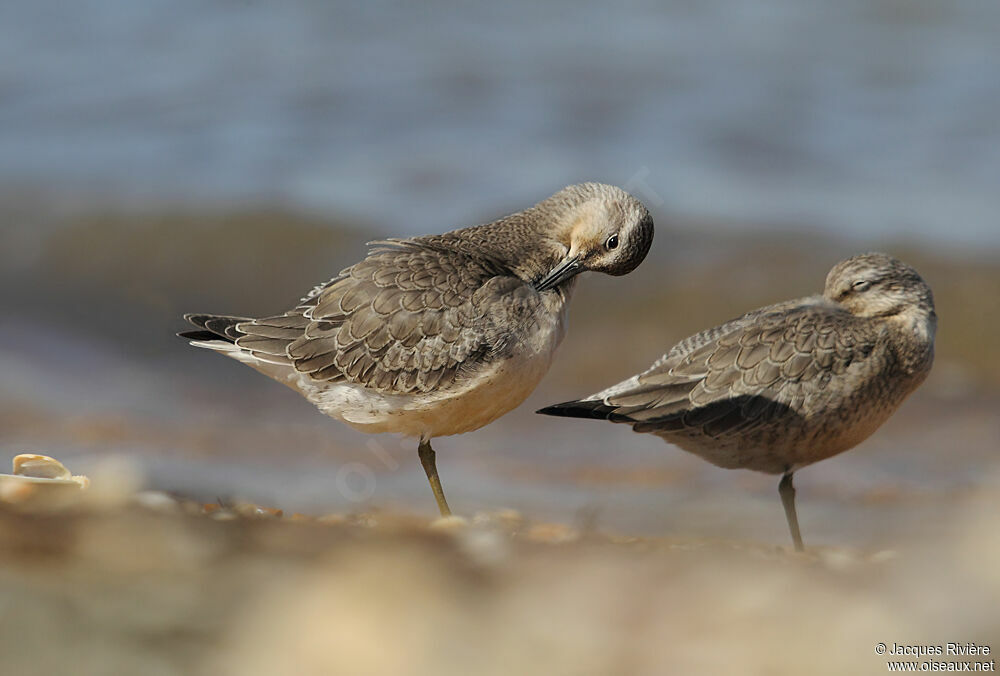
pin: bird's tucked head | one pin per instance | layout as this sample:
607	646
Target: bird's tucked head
592	226
878	285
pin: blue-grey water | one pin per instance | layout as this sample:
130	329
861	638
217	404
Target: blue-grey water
868	117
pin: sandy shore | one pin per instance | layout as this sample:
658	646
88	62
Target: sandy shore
168	588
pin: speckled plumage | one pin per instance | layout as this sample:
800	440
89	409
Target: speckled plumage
789	384
441	334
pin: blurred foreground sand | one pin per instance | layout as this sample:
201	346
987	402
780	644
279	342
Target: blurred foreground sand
138	590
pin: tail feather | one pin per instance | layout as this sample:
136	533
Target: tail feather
584	408
199	335
213	327
220	333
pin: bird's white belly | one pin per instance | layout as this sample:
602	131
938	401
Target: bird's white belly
472	402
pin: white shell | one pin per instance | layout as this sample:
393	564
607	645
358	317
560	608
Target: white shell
36	475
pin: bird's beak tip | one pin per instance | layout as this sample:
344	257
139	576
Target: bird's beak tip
564	270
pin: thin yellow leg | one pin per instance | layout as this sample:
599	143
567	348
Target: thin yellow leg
427	459
787	492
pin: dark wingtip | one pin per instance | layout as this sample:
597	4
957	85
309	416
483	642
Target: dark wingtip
597	410
198	335
201	321
212	327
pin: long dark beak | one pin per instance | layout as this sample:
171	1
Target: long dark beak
566	268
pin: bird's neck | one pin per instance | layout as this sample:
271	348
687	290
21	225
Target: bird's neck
918	327
526	243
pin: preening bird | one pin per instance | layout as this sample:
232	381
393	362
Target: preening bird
441	334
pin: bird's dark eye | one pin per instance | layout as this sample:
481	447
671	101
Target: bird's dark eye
612	242
861	285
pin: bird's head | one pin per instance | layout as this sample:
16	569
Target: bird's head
879	285
594	227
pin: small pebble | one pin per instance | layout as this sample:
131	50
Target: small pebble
485	547
554	533
507	520
838	559
156	501
883	556
449	523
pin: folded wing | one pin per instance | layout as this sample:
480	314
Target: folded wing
408	318
747	373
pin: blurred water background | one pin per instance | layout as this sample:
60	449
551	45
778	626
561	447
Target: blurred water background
223	156
857	117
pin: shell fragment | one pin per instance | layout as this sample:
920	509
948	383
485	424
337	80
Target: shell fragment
39	480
